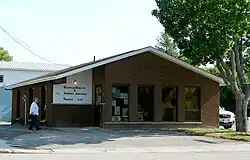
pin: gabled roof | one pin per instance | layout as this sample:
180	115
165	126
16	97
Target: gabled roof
27	66
86	66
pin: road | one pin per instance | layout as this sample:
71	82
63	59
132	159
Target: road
133	156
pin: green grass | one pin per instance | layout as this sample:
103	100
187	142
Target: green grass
216	133
201	131
238	136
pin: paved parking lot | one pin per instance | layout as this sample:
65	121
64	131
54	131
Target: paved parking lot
92	138
101	138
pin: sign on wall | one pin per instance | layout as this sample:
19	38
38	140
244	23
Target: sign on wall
72	94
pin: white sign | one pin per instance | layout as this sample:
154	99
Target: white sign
71	94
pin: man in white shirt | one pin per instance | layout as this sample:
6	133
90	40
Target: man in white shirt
34	112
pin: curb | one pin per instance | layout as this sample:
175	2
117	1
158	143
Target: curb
174	149
24	151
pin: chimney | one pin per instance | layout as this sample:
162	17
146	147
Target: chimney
94	58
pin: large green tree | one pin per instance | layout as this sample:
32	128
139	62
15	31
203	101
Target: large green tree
213	31
4	55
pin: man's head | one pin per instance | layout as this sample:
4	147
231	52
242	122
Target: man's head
36	100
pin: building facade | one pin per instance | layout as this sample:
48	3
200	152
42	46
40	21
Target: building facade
15	72
142	87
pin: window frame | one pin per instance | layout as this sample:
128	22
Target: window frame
177	100
121	110
199	103
2	78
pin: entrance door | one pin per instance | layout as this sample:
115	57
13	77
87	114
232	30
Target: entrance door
146	102
98	105
43	102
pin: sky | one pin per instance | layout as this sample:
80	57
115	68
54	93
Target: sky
73	32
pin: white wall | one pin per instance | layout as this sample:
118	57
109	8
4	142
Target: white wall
10	77
69	93
5	104
15	76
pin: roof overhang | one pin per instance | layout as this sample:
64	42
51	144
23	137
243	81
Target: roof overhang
123	56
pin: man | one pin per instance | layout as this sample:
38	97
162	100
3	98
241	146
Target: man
34	112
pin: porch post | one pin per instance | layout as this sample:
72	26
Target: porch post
133	103
181	111
157	103
107	108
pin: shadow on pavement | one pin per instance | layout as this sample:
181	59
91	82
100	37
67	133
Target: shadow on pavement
206	141
20	136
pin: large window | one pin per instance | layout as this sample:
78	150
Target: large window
192	104
120	103
169	100
145	103
1	78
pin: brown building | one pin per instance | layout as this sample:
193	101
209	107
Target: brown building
143	87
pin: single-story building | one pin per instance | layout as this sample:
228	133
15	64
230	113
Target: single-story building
144	87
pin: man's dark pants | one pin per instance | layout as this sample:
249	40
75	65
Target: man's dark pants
33	122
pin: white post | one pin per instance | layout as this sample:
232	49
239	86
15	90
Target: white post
25	109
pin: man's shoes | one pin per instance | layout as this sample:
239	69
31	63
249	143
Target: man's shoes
30	129
38	129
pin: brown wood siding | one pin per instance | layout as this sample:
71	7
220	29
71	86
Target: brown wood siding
36	93
72	115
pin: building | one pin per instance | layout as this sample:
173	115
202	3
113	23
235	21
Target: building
143	87
15	72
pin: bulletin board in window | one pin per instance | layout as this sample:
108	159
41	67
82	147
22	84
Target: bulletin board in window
120	103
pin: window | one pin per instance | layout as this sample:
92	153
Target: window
1	78
120	103
169	101
99	94
145	103
192	104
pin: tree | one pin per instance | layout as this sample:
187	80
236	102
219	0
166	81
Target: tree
213	31
227	98
4	55
166	44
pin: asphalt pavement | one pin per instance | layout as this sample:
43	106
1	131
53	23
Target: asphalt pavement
98	141
76	138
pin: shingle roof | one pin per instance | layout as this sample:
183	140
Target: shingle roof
55	73
31	66
85	66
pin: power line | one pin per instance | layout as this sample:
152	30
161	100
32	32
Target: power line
21	44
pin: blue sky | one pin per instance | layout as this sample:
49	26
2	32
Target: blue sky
73	31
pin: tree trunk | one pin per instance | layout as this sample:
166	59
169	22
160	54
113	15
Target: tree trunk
241	113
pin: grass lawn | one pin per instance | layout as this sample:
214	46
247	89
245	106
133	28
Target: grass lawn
216	133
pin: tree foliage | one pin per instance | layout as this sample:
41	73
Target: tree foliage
166	44
4	55
213	31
